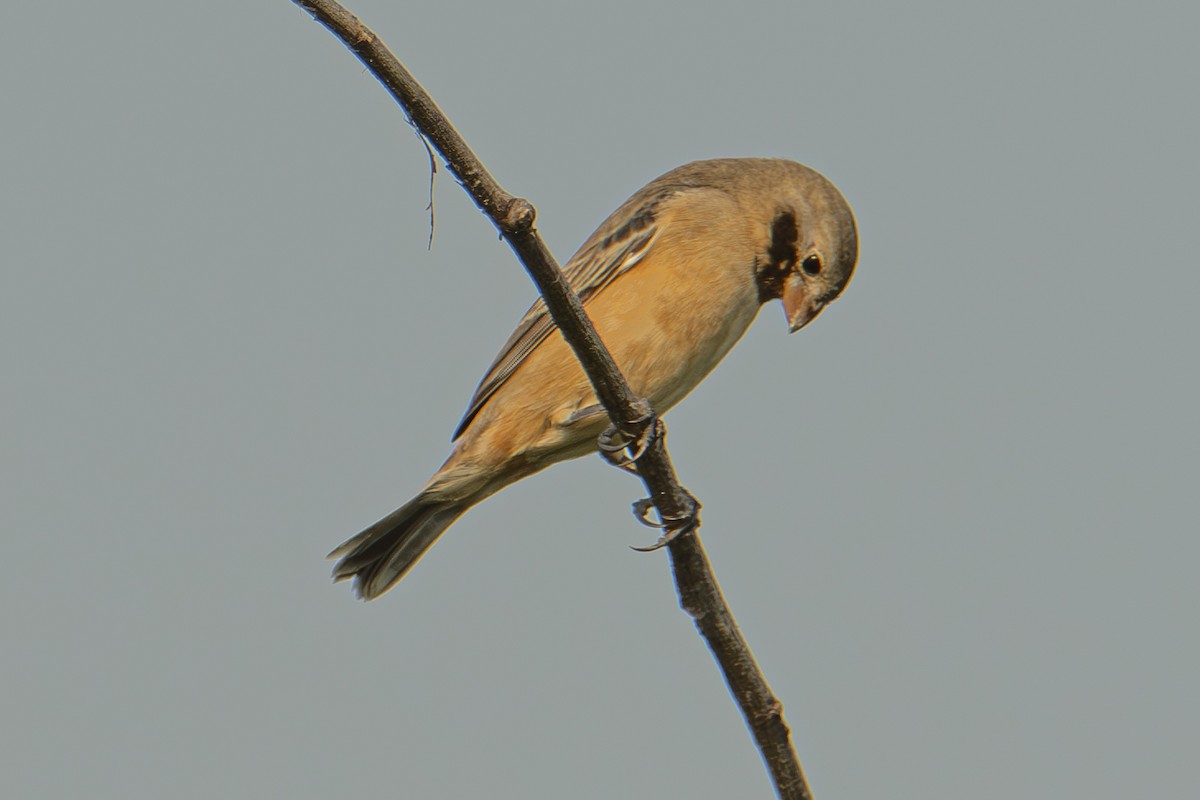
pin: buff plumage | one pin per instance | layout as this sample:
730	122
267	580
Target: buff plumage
671	280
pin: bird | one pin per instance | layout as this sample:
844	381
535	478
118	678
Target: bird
671	280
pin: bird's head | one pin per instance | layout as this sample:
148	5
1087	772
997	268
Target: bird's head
813	245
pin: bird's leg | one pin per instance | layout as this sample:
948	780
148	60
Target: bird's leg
672	527
622	445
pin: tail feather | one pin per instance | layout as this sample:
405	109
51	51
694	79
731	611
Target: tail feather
381	555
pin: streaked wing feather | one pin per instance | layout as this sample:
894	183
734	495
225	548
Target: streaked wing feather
597	264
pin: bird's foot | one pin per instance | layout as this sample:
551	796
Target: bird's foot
672	527
623	445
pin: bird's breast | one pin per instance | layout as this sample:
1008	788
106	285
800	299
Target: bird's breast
668	328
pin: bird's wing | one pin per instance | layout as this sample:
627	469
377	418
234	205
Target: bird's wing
620	243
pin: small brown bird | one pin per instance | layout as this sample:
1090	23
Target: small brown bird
671	280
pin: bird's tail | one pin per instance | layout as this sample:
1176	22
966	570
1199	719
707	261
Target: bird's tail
384	552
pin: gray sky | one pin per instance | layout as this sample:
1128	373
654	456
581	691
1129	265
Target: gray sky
955	517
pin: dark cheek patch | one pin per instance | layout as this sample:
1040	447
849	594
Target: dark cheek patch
780	258
784	234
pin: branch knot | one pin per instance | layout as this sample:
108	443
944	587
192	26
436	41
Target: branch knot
518	215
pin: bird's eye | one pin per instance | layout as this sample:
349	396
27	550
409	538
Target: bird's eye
811	265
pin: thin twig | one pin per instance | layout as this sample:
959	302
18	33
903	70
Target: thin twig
699	594
432	178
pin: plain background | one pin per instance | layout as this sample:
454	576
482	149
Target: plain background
955	517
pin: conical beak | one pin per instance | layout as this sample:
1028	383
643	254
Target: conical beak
801	308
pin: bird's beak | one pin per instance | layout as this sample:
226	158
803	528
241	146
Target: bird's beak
801	308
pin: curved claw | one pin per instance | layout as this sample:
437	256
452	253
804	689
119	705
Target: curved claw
662	542
641	510
672	527
613	447
620	460
622	449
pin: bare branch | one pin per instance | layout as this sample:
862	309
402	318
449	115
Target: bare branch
699	594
